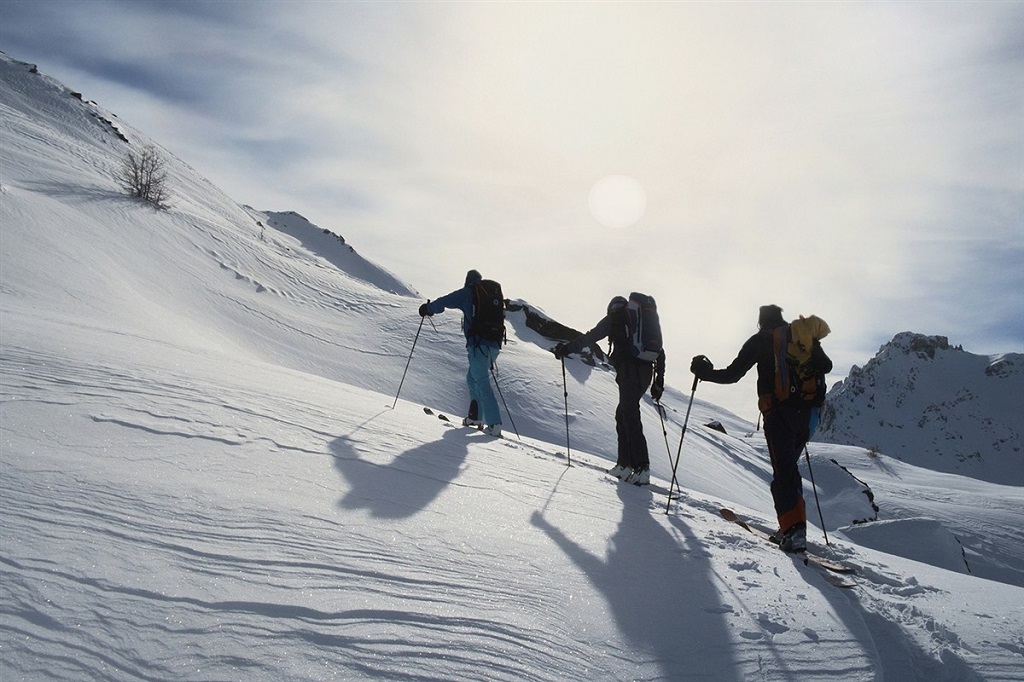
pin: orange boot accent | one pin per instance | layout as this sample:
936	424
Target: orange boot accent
797	514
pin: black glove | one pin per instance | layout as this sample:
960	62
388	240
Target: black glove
565	349
657	388
423	310
701	367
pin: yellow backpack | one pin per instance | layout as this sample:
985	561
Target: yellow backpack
795	376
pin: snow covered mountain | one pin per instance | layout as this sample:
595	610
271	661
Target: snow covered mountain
935	406
202	475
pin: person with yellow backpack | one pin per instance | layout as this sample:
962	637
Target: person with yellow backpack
791	369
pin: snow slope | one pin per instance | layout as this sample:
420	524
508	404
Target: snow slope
935	406
202	476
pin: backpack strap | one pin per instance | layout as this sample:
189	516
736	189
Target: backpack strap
780	346
781	387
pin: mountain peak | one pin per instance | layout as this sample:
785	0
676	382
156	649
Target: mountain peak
919	344
934	405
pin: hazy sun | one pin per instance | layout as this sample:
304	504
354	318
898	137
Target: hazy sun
617	201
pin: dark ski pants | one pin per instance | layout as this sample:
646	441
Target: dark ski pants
786	428
633	379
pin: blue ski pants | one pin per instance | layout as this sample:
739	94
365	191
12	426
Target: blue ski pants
481	356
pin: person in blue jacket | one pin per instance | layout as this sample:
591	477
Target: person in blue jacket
482	354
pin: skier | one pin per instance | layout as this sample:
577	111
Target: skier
786	422
483	325
633	376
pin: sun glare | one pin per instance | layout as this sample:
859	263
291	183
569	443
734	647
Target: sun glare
617	201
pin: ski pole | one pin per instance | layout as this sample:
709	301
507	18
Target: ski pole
498	386
418	330
816	501
565	391
664	431
679	450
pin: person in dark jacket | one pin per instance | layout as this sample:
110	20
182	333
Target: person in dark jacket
786	423
482	354
632	463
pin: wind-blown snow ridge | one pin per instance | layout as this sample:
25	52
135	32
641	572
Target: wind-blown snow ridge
336	251
201	477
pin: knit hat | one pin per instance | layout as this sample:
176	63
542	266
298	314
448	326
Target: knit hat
472	277
769	317
617	303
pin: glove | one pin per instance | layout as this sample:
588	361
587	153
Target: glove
657	388
566	349
701	367
423	310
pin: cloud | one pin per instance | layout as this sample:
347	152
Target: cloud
861	161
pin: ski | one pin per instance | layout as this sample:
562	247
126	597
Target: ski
443	417
440	416
808	557
835	579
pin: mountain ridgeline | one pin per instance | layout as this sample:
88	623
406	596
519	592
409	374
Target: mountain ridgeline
936	406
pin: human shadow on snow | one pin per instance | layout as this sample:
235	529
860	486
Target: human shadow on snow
681	622
884	642
407	484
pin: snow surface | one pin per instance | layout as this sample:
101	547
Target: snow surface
203	478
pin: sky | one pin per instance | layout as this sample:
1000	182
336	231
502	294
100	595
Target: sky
863	162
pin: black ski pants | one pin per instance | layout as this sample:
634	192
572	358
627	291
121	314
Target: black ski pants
786	428
633	378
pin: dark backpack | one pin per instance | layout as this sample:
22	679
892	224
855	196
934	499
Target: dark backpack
643	327
488	311
796	378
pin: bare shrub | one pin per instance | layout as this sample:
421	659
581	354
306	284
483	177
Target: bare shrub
143	175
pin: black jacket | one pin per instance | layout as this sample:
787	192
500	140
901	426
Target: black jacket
759	350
